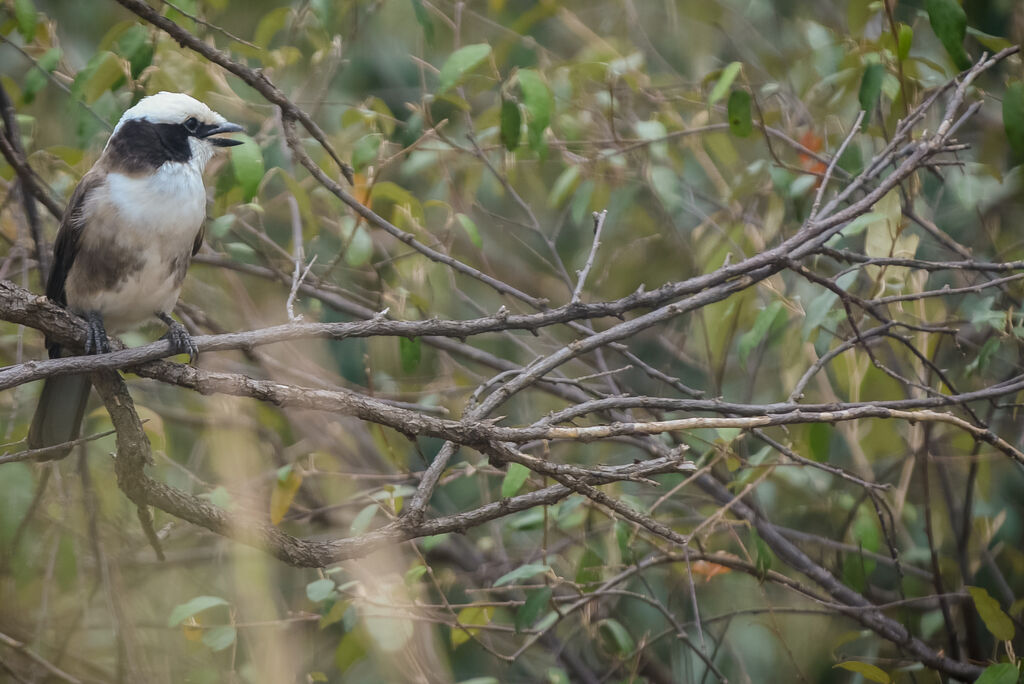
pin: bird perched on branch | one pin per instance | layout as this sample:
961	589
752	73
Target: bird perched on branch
125	242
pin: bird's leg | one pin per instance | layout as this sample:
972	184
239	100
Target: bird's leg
96	336
181	341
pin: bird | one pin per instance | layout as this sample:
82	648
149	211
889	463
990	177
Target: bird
130	229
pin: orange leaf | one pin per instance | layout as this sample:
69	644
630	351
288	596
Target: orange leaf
707	569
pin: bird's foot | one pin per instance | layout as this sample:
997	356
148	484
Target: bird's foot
180	339
96	341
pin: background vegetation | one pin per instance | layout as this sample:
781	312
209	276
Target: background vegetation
645	341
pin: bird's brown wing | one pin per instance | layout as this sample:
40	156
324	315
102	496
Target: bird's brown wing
65	248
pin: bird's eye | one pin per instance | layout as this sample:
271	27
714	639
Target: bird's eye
191	124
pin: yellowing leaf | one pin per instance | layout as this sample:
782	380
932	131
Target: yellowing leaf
866	670
996	621
467	617
285	487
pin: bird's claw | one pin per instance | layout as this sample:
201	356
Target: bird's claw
96	341
181	341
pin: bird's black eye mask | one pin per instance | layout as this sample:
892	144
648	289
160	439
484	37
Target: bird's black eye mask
141	145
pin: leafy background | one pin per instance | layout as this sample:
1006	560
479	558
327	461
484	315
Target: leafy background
492	131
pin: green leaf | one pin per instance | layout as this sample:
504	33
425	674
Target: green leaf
522	572
472	232
764	557
905	38
536	601
247	163
334	615
514	479
220	638
423	18
25	15
511	124
866	670
563	186
997	622
135	46
460	63
721	87
364	152
1003	673
1013	117
410	351
762	326
413	574
539	104
363	519
949	21
101	73
36	79
588	572
820	438
617	635
271	23
183	611
740	123
320	590
360	248
870	90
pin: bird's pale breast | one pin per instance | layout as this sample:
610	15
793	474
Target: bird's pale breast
136	244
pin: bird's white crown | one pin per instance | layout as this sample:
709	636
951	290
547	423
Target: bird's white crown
173	108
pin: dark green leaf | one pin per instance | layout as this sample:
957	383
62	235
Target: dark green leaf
183	611
522	572
460	63
514	479
740	123
135	46
996	621
1013	117
528	613
949	21
511	124
410	351
618	636
870	89
820	436
424	20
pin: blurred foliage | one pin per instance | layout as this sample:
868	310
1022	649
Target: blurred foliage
492	131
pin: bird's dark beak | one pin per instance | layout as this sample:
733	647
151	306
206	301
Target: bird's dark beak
208	131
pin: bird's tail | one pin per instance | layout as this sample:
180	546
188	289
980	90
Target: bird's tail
58	417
